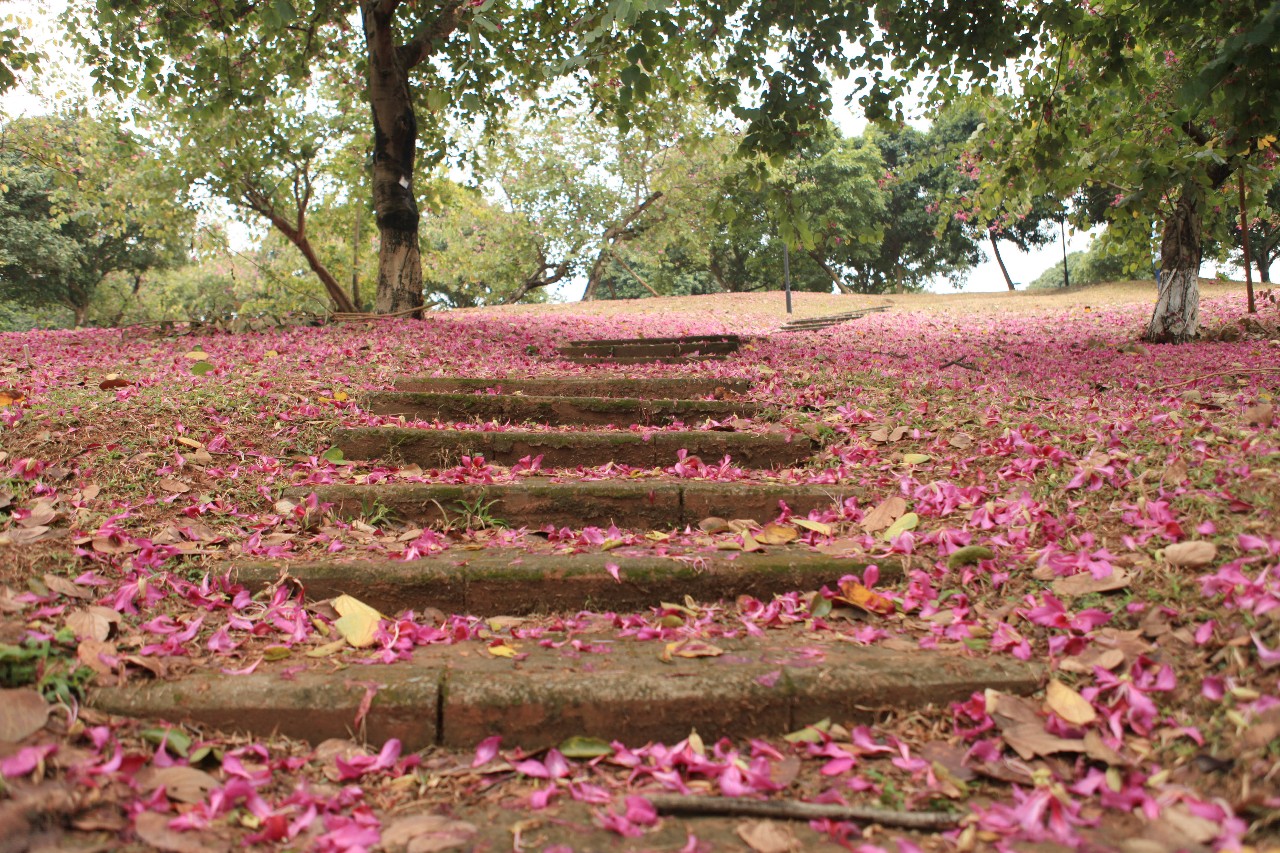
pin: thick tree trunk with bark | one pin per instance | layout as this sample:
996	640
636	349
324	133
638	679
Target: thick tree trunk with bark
1177	313
995	250
395	139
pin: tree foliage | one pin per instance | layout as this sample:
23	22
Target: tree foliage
81	199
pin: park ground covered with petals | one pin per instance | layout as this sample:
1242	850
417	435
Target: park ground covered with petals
1054	490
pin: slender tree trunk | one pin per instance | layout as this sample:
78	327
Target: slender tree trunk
831	273
1177	313
634	274
1264	270
995	250
298	237
596	276
395	138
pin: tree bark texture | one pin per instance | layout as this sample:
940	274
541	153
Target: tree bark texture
395	139
995	250
1176	318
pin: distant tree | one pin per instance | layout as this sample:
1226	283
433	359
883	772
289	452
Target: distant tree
824	200
958	135
919	241
1264	230
81	199
16	53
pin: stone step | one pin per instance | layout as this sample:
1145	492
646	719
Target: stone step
652	347
457	695
433	448
557	411
643	387
630	504
514	583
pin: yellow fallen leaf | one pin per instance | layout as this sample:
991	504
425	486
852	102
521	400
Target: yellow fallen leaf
190	442
777	534
358	623
902	525
270	354
916	458
749	542
689	649
500	649
327	649
341	396
1068	704
816	526
197	355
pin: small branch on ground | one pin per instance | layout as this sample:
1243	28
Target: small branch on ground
349	317
959	362
793	810
1236	372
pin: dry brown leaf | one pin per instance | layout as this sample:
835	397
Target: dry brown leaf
961	441
885	514
1085	583
112	381
63	586
1084	662
1190	555
767	836
713	524
426	833
1095	748
41	513
1175	473
88	625
23	712
181	784
1030	740
172	486
1068	704
153	829
1009	710
1261	415
90	652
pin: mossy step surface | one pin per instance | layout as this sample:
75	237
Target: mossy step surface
622	689
558	411
433	448
505	582
644	387
644	504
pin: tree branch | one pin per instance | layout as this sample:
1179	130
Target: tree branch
418	48
793	810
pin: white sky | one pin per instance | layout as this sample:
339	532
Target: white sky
61	78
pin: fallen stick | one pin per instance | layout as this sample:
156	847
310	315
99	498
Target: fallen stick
958	362
794	810
1236	372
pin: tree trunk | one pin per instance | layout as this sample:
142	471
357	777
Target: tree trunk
1177	313
995	249
395	138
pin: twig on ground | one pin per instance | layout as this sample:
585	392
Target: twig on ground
341	317
794	810
959	362
1236	372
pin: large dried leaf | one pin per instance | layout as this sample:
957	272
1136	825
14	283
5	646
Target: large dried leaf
767	836
426	833
357	622
91	623
889	511
1030	740
854	593
23	712
181	784
1068	704
63	586
777	534
1190	555
1085	583
153	829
